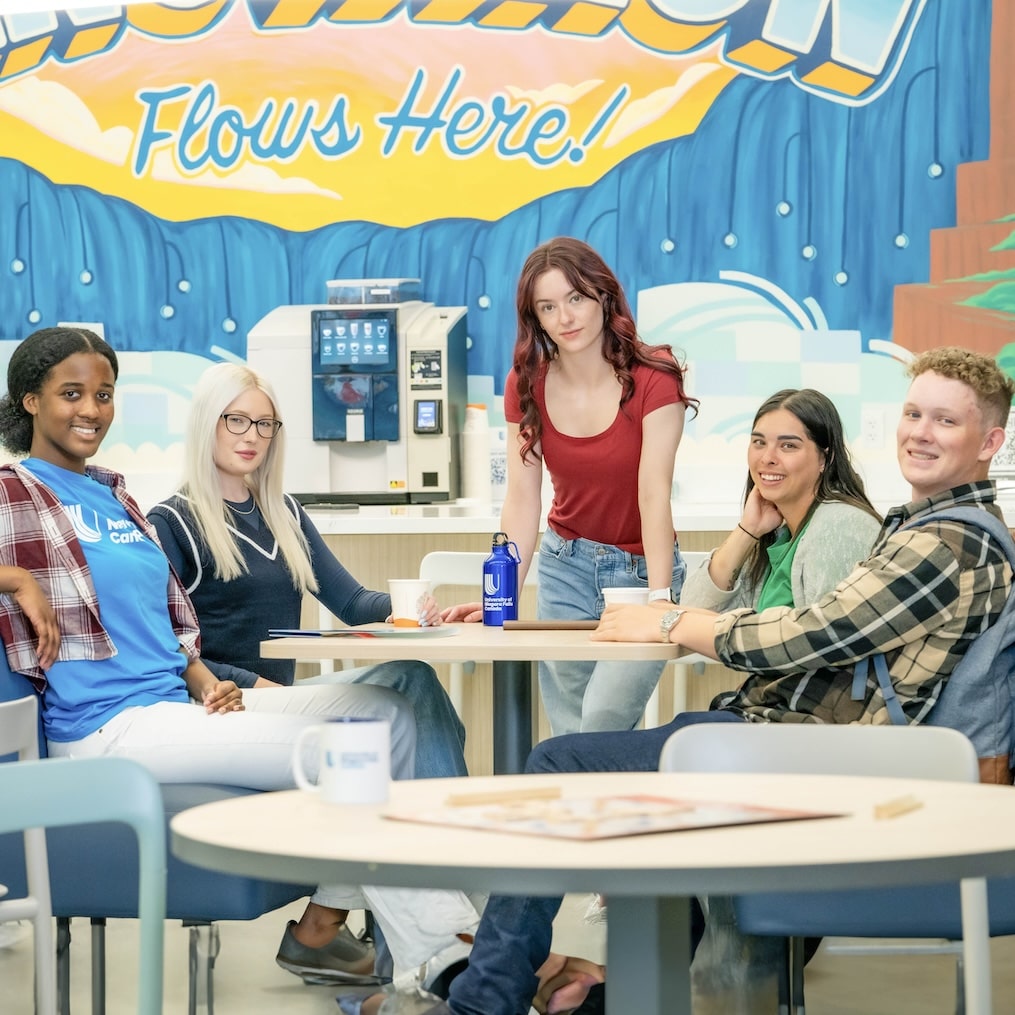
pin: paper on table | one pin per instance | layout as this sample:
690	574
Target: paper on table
601	817
385	631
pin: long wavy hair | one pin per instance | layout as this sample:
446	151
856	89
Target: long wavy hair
27	371
838	481
589	275
216	389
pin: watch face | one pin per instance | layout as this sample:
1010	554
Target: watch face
668	622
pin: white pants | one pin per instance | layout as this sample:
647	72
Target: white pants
180	742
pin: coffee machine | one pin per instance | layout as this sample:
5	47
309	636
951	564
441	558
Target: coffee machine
372	390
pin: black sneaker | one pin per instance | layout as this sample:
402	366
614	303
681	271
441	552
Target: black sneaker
344	959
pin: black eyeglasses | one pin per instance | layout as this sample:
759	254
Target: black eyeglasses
240	424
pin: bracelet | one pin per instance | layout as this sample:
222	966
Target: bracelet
757	539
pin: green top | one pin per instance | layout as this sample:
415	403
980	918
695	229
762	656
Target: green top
777	588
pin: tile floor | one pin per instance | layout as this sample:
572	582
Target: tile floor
247	981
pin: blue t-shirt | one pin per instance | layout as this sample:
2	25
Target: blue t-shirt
130	574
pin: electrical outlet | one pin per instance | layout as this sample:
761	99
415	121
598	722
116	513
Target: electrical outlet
872	429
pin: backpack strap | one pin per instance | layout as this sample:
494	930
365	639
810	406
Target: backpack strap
964	515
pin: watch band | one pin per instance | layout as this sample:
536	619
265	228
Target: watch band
660	595
667	622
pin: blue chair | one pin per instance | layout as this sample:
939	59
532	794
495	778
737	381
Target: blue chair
19	733
934	911
47	794
94	874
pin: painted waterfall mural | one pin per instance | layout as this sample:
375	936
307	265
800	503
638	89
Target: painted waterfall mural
793	192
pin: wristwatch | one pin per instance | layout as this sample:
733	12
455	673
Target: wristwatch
668	622
658	595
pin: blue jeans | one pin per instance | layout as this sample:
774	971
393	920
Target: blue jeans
580	697
440	734
514	934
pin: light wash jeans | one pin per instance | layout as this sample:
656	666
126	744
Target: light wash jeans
581	697
440	734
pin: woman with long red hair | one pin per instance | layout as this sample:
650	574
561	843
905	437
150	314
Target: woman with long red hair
603	413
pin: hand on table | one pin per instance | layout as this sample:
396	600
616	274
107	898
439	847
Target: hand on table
470	613
630	623
429	612
564	983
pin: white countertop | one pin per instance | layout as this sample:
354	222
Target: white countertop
456	517
403	519
390	519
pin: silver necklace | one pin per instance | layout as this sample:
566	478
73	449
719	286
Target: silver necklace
234	508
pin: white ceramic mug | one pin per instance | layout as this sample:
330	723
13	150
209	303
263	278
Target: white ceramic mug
355	760
625	596
406	599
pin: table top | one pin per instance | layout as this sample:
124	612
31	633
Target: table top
470	641
960	830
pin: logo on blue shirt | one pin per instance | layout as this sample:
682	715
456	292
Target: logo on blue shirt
85	532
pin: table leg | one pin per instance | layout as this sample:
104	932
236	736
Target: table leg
648	956
512	716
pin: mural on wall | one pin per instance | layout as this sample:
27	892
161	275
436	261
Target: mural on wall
761	174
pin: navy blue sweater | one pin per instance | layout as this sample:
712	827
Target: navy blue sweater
235	616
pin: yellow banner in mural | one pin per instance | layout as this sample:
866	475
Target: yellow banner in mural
303	113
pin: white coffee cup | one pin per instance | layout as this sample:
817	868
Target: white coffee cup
625	596
406	600
355	760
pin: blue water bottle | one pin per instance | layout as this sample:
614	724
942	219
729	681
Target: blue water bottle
500	582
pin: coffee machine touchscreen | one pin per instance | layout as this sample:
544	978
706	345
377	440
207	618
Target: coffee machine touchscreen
347	340
355	384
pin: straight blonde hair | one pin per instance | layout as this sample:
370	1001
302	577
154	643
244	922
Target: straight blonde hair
217	388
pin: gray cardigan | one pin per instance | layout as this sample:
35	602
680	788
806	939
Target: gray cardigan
838	537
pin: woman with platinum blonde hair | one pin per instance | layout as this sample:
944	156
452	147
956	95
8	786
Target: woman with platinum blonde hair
246	553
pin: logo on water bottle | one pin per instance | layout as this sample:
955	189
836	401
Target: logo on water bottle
490	584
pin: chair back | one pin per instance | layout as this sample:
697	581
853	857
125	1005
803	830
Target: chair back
450	567
19	738
40	794
19	727
461	567
914	752
694	560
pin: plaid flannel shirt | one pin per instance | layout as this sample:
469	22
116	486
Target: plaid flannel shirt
36	534
920	598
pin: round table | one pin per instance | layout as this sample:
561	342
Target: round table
959	830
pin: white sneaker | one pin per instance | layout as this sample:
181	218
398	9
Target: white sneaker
595	911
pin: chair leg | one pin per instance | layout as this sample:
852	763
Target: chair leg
456	684
63	964
785	979
204	949
960	987
796	971
98	966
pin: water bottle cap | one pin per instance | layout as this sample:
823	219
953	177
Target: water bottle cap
500	539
